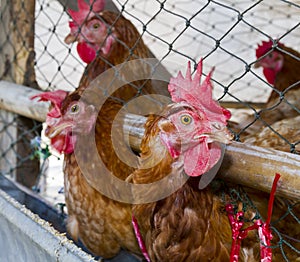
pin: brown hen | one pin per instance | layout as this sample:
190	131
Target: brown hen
186	224
191	224
102	224
284	136
281	66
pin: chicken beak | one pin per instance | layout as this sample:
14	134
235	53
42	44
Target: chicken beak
223	136
257	64
53	131
70	38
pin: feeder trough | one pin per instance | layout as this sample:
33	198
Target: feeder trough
32	230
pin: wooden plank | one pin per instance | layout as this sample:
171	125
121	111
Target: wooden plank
18	100
256	167
243	164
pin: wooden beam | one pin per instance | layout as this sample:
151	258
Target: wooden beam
256	167
243	164
18	100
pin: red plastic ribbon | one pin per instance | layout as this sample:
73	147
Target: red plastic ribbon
264	231
236	225
140	238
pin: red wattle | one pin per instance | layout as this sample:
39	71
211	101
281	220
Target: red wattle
86	52
226	113
201	158
63	144
270	75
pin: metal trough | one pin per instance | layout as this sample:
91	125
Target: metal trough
25	236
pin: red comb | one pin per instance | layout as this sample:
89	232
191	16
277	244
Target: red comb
265	47
56	98
85	9
197	94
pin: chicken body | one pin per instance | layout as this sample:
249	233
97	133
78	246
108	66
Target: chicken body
285	136
189	224
102	224
281	69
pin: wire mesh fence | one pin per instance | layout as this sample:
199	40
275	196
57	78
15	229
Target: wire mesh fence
226	34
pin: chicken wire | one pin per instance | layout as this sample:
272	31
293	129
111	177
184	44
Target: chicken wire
224	33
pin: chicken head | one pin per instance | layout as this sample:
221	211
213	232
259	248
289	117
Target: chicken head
65	122
194	123
271	61
90	30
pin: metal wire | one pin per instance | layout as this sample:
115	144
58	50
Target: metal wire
224	33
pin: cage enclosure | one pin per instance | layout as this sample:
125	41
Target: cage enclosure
236	38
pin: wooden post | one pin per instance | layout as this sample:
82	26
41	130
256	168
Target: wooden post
8	131
18	48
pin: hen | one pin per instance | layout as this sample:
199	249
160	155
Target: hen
101	224
189	224
104	40
281	69
284	136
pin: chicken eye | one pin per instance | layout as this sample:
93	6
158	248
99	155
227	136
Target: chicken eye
96	26
75	109
185	119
